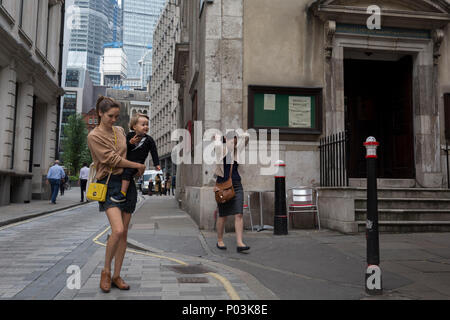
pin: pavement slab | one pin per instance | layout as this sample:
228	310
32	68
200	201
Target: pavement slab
305	264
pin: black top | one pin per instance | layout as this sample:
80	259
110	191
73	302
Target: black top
139	152
226	169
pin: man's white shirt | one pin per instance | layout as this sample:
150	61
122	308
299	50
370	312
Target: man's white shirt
84	173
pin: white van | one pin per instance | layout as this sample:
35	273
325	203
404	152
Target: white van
149	175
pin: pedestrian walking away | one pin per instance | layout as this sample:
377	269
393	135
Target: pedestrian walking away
168	184
84	175
64	181
150	187
139	145
108	147
173	184
54	176
158	184
226	153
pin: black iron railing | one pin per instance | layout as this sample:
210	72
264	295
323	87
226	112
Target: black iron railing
334	160
448	169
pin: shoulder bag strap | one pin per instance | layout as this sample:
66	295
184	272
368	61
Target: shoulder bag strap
115	144
231	170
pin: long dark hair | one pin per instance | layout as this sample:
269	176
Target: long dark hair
104	104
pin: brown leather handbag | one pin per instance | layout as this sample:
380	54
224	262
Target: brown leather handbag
224	191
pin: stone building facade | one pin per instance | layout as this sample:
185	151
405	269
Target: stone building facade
163	89
30	76
388	82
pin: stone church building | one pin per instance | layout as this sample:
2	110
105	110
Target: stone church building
315	69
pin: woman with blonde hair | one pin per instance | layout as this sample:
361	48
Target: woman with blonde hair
108	147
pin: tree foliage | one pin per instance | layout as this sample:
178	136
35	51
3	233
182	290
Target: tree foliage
74	143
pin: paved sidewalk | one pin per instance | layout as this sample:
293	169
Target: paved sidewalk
312	264
306	264
154	274
16	212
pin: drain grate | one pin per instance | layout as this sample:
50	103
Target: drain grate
193	280
189	269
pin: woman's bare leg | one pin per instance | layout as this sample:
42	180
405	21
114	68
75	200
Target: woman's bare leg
114	215
220	226
122	246
239	229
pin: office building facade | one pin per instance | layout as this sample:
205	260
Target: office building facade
163	89
91	24
139	22
30	68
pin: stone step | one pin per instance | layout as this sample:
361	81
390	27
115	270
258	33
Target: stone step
408	226
407	214
406	193
406	203
383	183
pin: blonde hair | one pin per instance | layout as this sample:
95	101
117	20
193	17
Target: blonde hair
135	118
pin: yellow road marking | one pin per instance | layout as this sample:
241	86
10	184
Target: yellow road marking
226	284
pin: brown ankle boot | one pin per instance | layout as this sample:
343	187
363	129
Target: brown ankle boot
105	281
119	283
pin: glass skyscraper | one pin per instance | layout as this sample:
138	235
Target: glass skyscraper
139	22
92	24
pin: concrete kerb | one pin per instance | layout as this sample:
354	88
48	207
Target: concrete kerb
43	213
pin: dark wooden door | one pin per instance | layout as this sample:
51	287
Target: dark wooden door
378	99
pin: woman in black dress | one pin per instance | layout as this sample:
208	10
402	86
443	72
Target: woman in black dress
235	205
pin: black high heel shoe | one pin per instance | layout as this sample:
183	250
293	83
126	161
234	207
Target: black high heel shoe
221	248
240	249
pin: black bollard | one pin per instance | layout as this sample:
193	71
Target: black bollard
373	273
280	217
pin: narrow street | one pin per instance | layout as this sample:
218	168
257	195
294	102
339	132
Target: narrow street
169	258
36	253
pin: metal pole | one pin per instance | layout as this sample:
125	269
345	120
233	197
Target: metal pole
373	273
448	174
280	217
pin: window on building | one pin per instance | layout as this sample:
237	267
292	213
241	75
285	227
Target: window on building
90	120
69	105
48	29
72	78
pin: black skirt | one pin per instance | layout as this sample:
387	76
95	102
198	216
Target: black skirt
114	186
235	205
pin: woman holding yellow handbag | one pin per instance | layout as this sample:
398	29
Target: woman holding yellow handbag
108	147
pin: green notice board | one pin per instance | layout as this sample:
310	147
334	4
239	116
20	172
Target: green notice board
292	110
280	115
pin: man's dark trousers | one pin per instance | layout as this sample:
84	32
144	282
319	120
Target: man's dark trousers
83	183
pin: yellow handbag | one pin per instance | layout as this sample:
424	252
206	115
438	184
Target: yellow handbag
97	191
